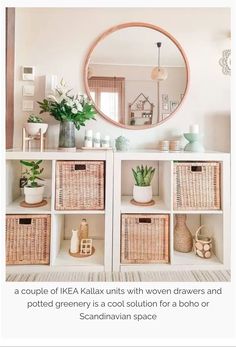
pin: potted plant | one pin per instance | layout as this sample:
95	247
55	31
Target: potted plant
32	190
34	124
142	191
72	111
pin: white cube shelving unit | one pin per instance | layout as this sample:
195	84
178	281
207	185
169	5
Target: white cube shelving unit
216	221
100	221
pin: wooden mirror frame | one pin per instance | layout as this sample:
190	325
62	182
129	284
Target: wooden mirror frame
128	25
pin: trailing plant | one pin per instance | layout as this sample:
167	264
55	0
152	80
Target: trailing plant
32	173
143	175
34	119
65	107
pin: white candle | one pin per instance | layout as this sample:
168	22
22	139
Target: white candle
88	140
97	139
194	128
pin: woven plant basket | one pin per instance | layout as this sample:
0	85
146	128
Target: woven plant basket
202	245
144	239
196	186
27	239
80	185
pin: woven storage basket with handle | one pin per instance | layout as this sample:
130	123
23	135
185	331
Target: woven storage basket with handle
145	238
196	186
202	245
80	185
27	239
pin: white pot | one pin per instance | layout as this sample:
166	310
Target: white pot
142	194
33	195
33	128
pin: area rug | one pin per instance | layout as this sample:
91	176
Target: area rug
151	276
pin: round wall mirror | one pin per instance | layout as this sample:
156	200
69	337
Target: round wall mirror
136	75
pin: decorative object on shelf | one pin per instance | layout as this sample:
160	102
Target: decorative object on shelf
88	139
97	140
71	111
106	141
122	144
34	130
32	190
194	128
225	62
188	177
80	185
194	144
175	145
82	255
142	190
74	242
28	239
145	238
202	244
86	246
141	110
164	145
183	239
83	230
34	124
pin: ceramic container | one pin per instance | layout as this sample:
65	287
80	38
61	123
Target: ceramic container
142	194
74	242
33	128
164	145
33	195
122	144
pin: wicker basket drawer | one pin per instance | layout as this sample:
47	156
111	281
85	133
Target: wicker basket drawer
145	239
80	185
27	239
197	185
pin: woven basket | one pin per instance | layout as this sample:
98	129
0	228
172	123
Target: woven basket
144	239
202	245
196	186
27	239
80	185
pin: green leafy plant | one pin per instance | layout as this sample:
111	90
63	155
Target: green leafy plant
32	172
143	175
34	119
65	107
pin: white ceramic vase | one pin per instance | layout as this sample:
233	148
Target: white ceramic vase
33	195
74	242
33	128
142	194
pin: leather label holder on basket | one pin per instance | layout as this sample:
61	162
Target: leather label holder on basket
202	245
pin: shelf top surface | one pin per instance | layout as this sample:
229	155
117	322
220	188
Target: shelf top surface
51	154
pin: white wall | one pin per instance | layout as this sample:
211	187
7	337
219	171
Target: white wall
56	41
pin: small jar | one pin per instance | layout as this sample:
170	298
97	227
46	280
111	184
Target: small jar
106	142
175	146
164	146
97	140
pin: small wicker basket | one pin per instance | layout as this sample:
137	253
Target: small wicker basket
28	239
145	239
202	245
197	186
80	185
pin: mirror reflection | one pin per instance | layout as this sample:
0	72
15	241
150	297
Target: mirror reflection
136	76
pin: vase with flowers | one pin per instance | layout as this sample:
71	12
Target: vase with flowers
72	111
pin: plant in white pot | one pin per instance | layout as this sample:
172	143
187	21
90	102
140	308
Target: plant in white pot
32	190
34	124
142	191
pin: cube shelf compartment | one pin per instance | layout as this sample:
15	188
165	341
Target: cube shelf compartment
99	214
216	217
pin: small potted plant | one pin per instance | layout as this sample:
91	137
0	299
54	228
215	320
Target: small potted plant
32	190
142	191
34	124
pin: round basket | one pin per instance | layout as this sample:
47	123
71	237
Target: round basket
202	245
